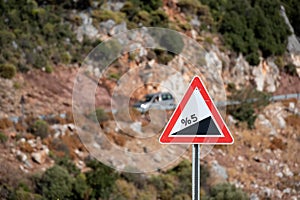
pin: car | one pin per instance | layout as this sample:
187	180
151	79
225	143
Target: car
159	101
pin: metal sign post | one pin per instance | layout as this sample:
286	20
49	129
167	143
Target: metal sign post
196	172
196	121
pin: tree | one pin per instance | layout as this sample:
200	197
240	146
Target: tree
56	183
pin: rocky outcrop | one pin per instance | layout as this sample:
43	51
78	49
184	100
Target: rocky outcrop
266	76
86	29
293	45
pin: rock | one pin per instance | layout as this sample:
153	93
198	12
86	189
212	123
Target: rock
267	192
106	26
240	73
231	120
114	6
213	61
293	43
279	174
195	21
136	127
157	158
21	156
39	157
264	125
265	76
254	196
118	29
86	29
218	172
287	171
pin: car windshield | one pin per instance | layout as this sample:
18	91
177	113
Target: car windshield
147	98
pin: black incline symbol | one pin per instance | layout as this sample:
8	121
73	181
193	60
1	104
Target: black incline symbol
206	126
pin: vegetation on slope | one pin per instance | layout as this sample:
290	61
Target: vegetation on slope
251	27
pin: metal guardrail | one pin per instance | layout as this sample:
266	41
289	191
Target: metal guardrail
15	119
271	99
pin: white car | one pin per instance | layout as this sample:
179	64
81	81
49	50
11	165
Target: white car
160	101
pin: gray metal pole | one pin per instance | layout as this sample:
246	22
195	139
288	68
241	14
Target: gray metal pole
196	172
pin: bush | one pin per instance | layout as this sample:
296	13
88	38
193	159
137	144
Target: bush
148	5
226	191
253	58
159	18
99	115
7	71
189	6
250	99
3	137
102	179
40	128
80	188
5	123
25	195
172	41
163	57
290	69
56	183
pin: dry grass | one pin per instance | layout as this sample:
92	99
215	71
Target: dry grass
5	123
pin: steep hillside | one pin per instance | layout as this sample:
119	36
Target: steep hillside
245	55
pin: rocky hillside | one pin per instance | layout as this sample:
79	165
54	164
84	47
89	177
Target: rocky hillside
39	66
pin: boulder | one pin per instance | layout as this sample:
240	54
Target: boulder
39	157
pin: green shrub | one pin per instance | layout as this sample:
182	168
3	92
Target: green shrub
244	113
250	99
226	191
104	15
68	164
290	69
172	41
56	183
148	5
48	69
25	195
159	18
7	71
40	128
3	137
163	57
80	188
142	17
253	58
99	115
102	179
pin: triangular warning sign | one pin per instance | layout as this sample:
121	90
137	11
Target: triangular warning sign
196	120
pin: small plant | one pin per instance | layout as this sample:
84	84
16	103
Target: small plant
7	71
5	123
48	69
99	115
3	137
226	191
163	57
40	128
290	69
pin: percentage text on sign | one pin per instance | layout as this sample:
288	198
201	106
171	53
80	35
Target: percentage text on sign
189	120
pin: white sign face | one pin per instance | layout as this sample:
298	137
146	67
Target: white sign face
195	119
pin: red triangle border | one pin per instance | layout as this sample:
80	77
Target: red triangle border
165	137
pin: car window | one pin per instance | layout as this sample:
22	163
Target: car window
167	97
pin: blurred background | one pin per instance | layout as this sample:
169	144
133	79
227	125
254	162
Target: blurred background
253	44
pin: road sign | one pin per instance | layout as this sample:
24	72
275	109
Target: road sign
196	120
